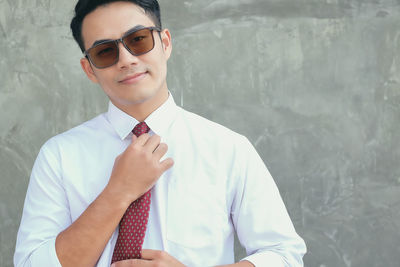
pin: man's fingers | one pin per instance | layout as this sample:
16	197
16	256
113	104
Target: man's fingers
166	164
152	143
160	151
151	254
141	140
132	263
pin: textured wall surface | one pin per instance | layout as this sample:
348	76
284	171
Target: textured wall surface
314	84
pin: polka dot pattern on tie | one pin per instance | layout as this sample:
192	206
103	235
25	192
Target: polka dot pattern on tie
132	227
140	129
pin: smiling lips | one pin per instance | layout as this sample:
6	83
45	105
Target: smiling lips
134	78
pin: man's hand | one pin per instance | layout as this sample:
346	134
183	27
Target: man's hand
151	258
138	168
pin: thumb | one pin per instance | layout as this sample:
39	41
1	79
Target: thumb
134	137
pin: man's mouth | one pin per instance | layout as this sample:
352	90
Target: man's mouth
133	78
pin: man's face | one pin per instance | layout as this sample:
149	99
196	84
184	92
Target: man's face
133	79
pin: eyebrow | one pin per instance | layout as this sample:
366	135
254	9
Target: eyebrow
136	28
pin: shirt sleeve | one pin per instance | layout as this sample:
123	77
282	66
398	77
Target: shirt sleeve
45	214
260	217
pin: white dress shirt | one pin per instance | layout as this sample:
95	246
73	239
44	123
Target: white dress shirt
217	184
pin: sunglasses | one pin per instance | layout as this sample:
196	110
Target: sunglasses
106	53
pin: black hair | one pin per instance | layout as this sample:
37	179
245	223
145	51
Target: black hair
84	7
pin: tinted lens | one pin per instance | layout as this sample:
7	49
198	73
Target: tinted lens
104	55
139	42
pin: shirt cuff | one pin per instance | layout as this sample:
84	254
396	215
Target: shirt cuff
265	258
45	255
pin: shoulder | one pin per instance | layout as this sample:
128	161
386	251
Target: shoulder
211	133
91	131
207	127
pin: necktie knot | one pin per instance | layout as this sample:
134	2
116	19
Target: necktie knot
140	129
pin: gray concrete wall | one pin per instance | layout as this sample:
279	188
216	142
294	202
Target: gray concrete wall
314	84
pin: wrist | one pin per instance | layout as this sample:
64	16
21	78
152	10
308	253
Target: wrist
118	198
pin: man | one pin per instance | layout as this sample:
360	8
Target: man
100	194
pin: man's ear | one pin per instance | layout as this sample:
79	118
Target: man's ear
87	68
166	42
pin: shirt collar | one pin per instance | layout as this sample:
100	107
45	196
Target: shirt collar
159	121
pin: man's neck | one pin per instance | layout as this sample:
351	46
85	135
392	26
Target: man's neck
140	111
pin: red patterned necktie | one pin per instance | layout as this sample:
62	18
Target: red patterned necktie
132	226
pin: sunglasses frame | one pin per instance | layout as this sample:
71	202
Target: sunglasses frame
120	40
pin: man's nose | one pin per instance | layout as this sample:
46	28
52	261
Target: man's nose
126	58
